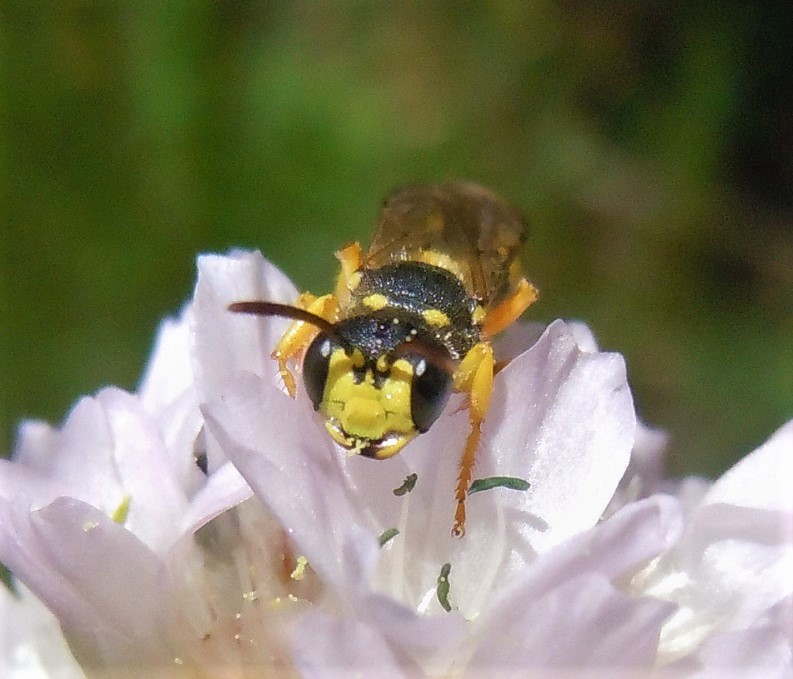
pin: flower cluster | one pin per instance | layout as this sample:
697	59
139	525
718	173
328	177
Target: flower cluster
206	526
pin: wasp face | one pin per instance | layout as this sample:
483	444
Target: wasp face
374	403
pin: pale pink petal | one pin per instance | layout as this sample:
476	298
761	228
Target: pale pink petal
167	391
521	336
516	339
156	499
735	559
742	536
565	610
170	371
614	549
97	578
223	489
31	643
762	479
19	480
584	624
764	649
108	453
77	460
419	635
180	425
35	443
563	420
344	647
225	343
294	469
645	473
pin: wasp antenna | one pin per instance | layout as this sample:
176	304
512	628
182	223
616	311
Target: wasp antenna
260	308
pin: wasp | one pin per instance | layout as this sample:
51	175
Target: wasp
410	321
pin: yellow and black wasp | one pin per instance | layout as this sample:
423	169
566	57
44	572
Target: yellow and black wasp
410	321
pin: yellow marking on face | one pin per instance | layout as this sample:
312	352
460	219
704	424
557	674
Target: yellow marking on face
435	317
364	417
375	301
332	427
360	410
394	446
478	317
383	364
357	359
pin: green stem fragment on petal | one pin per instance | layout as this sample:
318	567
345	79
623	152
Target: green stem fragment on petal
407	485
387	535
491	482
442	589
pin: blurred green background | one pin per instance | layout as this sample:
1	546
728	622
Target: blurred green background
648	144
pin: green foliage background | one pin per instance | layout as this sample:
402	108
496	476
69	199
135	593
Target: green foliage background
649	145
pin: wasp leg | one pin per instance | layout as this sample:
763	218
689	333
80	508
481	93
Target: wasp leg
299	335
350	259
475	377
510	309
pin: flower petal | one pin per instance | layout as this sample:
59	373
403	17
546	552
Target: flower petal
170	371
563	420
156	499
762	479
613	549
224	489
764	649
742	535
36	441
108	453
645	473
291	466
520	337
226	343
734	560
100	581
565	609
31	643
342	647
77	459
585	623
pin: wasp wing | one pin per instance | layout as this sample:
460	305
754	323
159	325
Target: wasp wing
459	226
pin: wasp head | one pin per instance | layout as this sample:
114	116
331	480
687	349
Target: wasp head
377	382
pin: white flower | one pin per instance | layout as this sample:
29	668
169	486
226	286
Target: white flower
731	571
31	643
147	561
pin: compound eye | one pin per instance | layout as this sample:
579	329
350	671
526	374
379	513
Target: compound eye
315	368
429	393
